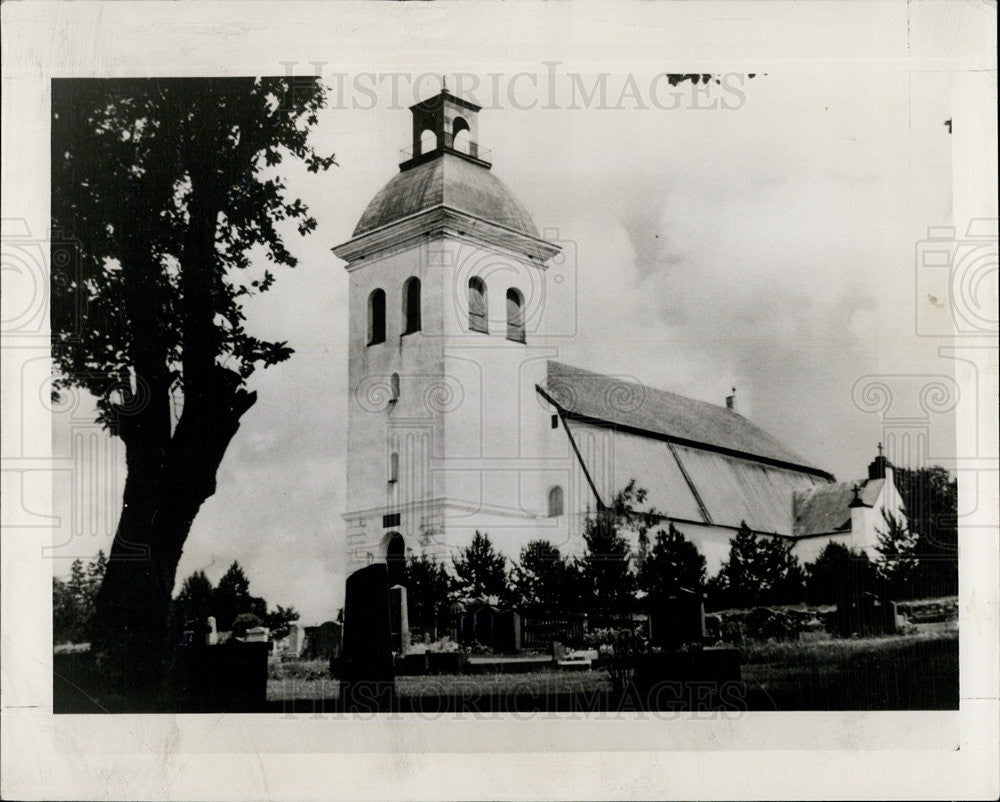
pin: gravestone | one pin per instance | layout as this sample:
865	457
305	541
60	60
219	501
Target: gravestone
506	632
229	678
482	625
211	633
367	679
499	630
676	620
866	614
400	619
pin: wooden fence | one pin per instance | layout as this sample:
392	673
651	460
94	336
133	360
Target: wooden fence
538	632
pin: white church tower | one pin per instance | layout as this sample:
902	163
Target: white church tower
446	433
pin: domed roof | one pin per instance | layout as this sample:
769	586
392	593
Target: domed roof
452	181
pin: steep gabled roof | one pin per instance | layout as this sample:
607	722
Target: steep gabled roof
630	406
826	508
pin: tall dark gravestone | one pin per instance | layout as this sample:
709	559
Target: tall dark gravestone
367	679
677	620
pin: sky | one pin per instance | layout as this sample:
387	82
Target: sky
760	234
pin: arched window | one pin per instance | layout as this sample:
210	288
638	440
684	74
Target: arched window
555	501
460	136
394	466
395	559
376	317
515	316
394	388
411	305
477	306
428	141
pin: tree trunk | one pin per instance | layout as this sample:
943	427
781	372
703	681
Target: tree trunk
170	475
163	493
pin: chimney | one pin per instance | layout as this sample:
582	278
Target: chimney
731	401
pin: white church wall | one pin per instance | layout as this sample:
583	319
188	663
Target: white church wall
495	436
382	422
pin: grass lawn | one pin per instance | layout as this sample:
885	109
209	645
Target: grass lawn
908	672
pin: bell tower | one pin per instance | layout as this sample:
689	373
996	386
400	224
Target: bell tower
447	277
454	124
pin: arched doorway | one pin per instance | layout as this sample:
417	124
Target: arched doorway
395	559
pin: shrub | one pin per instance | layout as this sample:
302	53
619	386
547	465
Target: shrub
839	573
673	563
244	622
759	570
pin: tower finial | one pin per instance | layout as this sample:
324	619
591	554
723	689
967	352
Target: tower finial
444	84
880	448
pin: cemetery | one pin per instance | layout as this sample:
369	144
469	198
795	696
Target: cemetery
649	550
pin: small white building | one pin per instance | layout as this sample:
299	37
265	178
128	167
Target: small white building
460	420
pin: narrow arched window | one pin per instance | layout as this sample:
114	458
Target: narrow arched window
515	316
376	317
394	388
411	305
555	501
394	467
477	305
460	135
428	141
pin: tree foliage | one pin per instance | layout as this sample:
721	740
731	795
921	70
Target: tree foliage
759	570
607	560
673	563
198	599
480	570
930	497
427	592
194	602
543	580
231	598
73	600
170	213
839	573
279	620
898	563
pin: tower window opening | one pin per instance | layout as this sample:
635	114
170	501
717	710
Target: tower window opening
411	305
376	317
515	316
461	137
394	467
428	141
555	502
477	306
394	388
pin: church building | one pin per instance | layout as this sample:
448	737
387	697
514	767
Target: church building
461	417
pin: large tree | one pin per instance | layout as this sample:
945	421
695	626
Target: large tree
169	192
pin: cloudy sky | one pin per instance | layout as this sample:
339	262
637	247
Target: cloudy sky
759	234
